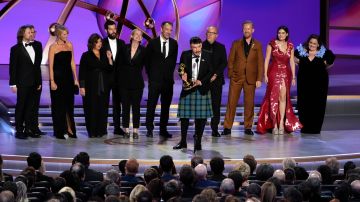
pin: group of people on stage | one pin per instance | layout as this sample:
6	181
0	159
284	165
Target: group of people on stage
111	66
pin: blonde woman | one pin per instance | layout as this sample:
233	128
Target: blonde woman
63	84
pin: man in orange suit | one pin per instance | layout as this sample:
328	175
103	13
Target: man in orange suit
246	63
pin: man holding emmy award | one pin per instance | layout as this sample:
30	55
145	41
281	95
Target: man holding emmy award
195	99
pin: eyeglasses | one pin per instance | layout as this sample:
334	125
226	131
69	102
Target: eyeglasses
211	33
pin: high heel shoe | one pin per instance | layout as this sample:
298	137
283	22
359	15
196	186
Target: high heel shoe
275	131
281	131
127	135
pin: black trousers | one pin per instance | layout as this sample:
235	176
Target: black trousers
24	110
37	97
131	98
110	85
199	126
165	92
216	94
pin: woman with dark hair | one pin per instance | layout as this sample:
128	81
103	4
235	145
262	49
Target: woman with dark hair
313	80
276	111
131	82
92	64
63	84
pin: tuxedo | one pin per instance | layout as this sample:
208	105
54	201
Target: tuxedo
160	71
38	45
111	80
25	74
219	62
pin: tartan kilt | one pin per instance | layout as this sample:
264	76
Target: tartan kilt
195	106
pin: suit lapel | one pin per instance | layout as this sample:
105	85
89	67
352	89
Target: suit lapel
23	49
189	65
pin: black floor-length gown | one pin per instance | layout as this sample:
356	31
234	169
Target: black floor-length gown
94	102
62	99
312	88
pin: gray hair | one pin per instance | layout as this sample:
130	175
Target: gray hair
288	163
21	192
334	164
201	171
227	186
112	175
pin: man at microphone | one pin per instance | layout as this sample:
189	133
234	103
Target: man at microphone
195	103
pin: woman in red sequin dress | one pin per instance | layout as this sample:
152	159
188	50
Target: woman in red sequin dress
276	111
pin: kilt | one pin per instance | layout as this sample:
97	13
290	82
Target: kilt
195	106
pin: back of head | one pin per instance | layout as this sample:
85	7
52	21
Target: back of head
30	174
217	165
289	175
244	168
305	190
132	166
136	191
7	196
232	198
21	191
293	195
237	178
333	164
79	170
349	165
288	163
171	189
83	158
268	192
326	176
112	190
314	184
227	186
201	171
279	174
113	176
301	173
277	184
264	171
155	186
187	175
10	186
112	199
144	196
122	164
196	160
166	163
34	160
250	160
69	193
209	194
254	190
150	174
58	184
200	198
355	188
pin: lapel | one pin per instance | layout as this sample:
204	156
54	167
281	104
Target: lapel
242	52
23	49
189	65
137	52
202	64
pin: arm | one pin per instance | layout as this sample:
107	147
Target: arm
231	59
182	60
73	66
53	85
12	69
292	66
82	73
223	62
260	62
266	63
39	65
148	51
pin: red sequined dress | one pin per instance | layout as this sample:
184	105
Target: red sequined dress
279	73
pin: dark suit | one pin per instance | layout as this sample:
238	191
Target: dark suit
111	81
219	62
38	45
160	71
26	75
93	175
132	83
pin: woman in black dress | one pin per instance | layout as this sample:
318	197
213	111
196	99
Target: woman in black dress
312	84
132	82
63	83
92	64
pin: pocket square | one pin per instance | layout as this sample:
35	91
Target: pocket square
202	60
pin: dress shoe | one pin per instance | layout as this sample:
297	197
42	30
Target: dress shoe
20	135
127	135
215	133
275	131
165	134
181	145
119	131
150	134
62	137
39	131
135	135
31	133
249	132
226	131
72	135
197	146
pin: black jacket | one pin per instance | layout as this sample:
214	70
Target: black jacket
119	52
160	70
205	71
23	72
131	70
218	58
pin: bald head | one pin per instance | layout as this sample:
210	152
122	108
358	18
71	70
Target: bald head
201	171
211	34
355	186
279	174
7	196
227	186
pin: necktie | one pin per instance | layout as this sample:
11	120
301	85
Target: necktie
164	49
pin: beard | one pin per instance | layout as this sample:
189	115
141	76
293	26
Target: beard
112	36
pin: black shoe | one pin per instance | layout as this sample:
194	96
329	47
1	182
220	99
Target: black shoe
249	132
165	134
119	131
39	131
20	135
72	135
215	133
31	133
197	146
180	145
226	131
135	135
150	134
62	137
127	135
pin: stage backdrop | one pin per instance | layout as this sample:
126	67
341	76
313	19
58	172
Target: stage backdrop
301	16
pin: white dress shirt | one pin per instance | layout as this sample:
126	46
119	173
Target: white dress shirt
162	40
30	51
195	67
113	47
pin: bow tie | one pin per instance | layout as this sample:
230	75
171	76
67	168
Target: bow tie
29	44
